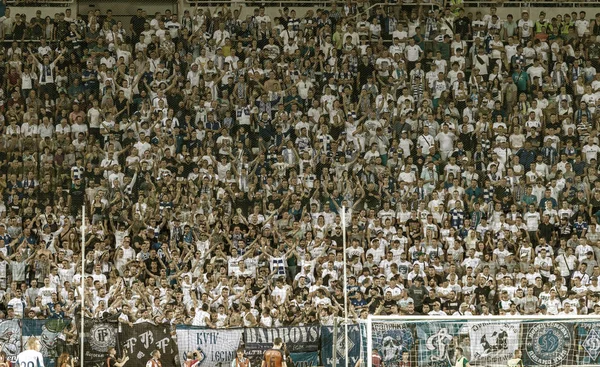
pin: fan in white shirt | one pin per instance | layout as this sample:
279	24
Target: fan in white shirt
32	355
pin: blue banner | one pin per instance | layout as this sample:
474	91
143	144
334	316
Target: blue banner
50	334
354	345
305	359
435	342
549	343
391	340
588	338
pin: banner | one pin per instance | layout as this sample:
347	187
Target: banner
493	342
548	343
354	345
391	340
588	337
215	348
100	336
435	339
50	334
140	340
305	359
296	339
10	337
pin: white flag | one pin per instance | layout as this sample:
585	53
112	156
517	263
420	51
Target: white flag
493	343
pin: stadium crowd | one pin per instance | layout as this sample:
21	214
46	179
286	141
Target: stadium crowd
214	153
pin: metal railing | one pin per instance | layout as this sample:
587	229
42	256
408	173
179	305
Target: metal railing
40	3
531	3
466	3
312	3
279	3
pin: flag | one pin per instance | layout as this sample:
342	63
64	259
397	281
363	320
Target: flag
50	334
549	343
295	338
493	342
140	340
588	339
305	359
214	348
435	342
10	335
354	345
391	340
100	336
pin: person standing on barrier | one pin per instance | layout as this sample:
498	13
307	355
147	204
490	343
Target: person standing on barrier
155	360
240	359
273	357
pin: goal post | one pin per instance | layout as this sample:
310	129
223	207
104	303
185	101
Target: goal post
490	341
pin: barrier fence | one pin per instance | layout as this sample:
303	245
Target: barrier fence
310	345
551	342
564	339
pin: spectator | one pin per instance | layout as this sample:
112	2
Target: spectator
214	157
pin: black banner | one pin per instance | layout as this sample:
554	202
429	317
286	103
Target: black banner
100	336
297	339
139	340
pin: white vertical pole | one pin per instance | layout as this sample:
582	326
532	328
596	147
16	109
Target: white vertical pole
369	341
82	332
345	287
336	324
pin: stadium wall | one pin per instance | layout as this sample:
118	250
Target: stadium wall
534	12
125	9
29	11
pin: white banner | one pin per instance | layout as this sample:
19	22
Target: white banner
213	347
493	342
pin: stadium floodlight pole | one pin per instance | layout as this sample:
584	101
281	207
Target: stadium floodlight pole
345	287
82	338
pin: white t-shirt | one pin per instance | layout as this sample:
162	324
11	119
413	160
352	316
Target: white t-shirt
525	26
46	73
413	52
446	141
94	117
532	220
590	152
581	25
30	358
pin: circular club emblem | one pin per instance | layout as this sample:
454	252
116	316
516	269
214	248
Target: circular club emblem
549	343
102	337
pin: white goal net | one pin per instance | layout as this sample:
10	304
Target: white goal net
432	341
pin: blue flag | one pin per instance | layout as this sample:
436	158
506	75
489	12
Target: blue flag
50	334
354	345
435	342
551	343
305	359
